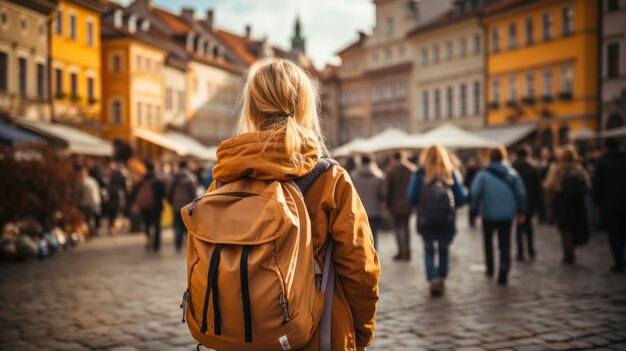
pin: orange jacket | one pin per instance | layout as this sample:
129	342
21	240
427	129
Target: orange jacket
336	210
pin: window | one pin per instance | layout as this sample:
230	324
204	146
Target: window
72	26
24	25
388	54
568	21
91	92
477	100
495	92
90	33
425	106
613	61
462	47
449	102
387	94
437	105
58	22
139	115
401	51
74	85
181	101
547	26
58	79
512	89
3	71
401	89
22	75
116	64
4	18
567	78
529	26
447	51
157	112
423	57
548	83
477	44
116	112
436	53
41	31
530	84
512	35
149	115
138	62
612	5
463	100
389	26
41	81
168	98
495	38
148	64
376	93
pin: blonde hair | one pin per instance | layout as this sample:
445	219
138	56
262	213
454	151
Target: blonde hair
568	153
436	163
279	96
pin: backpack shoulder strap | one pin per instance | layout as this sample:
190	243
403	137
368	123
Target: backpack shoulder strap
503	178
305	182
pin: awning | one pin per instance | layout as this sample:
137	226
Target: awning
183	145
614	133
583	133
78	141
508	135
11	135
450	136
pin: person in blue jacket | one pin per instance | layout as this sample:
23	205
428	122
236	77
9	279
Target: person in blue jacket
498	194
436	191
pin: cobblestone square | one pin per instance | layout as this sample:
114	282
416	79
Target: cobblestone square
109	294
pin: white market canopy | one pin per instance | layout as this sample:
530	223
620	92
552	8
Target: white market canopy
78	142
181	144
508	135
453	137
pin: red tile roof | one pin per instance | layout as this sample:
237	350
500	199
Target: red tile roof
239	45
177	24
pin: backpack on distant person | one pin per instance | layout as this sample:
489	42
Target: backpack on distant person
253	279
435	207
573	184
144	199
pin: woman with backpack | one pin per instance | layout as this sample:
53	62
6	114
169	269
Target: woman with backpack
437	192
568	180
267	179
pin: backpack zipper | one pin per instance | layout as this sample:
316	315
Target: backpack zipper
183	304
282	301
194	203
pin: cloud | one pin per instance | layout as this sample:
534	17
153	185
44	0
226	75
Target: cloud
327	25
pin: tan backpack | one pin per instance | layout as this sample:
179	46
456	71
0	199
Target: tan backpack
253	279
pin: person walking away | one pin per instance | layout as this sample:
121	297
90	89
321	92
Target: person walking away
148	198
473	166
182	191
609	190
436	191
498	192
569	181
280	138
97	174
527	169
88	198
546	159
397	184
369	182
118	193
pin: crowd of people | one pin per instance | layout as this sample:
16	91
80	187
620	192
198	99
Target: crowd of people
113	196
505	192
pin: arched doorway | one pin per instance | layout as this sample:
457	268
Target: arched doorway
615	121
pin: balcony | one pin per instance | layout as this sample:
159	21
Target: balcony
566	96
547	98
528	100
494	105
511	104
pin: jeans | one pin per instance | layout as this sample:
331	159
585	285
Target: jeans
525	228
375	223
152	222
433	272
401	225
616	228
503	229
180	230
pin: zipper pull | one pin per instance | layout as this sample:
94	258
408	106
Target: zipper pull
282	301
193	206
184	303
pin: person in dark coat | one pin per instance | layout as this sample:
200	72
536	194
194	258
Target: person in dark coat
369	182
181	192
473	166
118	193
570	209
397	183
527	169
152	188
609	190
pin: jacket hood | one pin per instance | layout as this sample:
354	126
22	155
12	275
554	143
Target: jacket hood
261	155
499	166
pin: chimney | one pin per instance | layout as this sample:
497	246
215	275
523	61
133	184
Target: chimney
187	14
209	18
248	31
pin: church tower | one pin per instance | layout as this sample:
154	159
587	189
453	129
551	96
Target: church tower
297	41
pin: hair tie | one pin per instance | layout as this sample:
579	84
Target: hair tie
288	114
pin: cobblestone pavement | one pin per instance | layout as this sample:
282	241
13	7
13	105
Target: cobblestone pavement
109	294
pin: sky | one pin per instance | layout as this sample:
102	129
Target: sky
328	25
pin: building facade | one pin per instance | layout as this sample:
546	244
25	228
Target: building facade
24	58
541	65
613	64
448	77
76	71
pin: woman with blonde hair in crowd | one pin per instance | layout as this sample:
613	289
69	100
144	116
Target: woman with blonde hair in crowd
280	138
568	180
436	191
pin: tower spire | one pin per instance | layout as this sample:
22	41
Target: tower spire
297	41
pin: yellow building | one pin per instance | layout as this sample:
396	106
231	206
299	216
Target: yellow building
542	59
75	56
